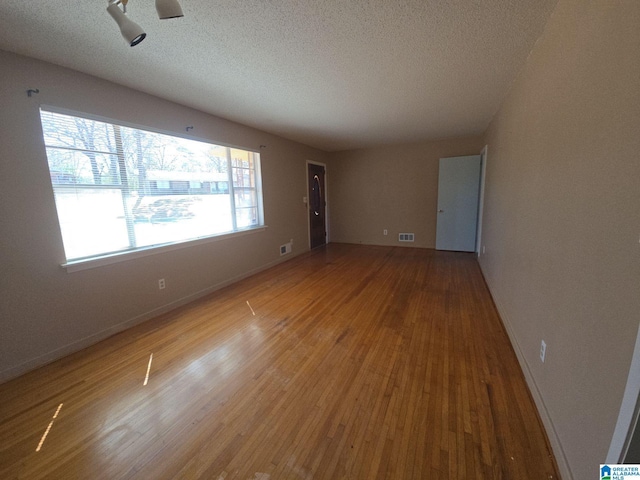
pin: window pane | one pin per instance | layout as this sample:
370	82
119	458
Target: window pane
173	218
245	198
175	189
71	166
241	158
92	221
74	132
246	217
219	187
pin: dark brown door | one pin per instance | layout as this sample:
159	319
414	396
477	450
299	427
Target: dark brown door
317	202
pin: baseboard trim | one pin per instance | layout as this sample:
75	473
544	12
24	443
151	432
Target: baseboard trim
552	435
16	371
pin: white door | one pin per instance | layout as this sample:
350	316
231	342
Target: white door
458	189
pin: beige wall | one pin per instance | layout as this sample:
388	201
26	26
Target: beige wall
393	188
562	221
46	312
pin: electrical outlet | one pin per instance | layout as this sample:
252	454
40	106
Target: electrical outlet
161	284
385	231
483	249
543	351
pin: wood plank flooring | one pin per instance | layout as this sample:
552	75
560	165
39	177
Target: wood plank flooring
359	362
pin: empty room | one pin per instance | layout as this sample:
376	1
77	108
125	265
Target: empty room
319	239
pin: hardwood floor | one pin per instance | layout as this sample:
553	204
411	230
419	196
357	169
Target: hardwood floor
360	362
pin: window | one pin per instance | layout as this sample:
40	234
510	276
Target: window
120	189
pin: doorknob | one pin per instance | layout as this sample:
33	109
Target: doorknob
440	211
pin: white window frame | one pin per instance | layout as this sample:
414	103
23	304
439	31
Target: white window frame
137	252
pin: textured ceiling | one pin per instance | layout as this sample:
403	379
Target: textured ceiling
334	74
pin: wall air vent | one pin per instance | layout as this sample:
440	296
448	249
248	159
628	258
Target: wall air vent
286	248
406	237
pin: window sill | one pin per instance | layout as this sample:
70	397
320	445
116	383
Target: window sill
100	261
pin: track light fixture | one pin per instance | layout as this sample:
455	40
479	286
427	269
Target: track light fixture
131	31
168	9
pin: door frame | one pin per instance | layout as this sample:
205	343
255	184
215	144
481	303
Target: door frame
483	176
628	414
326	201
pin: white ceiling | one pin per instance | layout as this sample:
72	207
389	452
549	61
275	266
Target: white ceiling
334	74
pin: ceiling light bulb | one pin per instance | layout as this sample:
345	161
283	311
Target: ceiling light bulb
168	9
131	31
